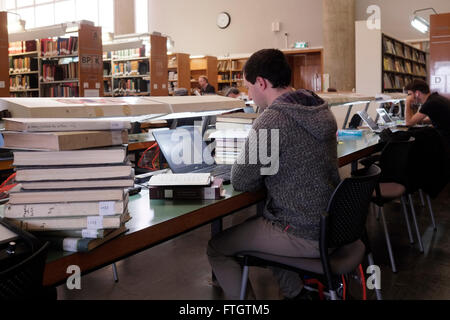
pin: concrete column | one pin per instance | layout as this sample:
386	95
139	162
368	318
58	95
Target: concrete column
124	17
339	43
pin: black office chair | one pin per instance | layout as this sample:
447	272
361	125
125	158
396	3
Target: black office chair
24	280
342	227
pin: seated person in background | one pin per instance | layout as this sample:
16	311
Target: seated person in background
205	87
233	92
298	188
435	108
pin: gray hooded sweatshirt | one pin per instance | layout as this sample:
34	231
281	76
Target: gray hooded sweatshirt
299	191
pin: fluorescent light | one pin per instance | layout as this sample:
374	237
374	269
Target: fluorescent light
420	24
197	57
123	45
38	33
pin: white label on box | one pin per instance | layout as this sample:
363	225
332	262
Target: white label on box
155	86
91	93
97	85
86	85
164	86
116	137
106	208
2	84
209	193
70	244
89	234
94	223
168	193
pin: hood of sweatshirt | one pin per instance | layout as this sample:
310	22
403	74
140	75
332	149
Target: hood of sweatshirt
309	111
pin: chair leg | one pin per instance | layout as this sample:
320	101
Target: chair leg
388	240
408	226
377	212
431	212
115	274
244	282
372	263
422	201
413	211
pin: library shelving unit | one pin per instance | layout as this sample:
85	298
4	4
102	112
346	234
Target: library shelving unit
385	64
206	66
140	70
24	69
4	69
230	73
179	69
402	63
307	68
440	53
72	66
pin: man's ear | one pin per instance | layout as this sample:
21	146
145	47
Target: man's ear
261	82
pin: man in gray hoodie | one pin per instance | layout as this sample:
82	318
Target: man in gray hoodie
297	192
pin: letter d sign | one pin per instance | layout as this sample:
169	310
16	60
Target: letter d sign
74	281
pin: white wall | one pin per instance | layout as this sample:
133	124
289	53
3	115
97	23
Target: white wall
395	15
192	24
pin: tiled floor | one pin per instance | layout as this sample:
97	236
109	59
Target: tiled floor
179	270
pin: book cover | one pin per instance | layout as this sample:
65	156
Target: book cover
238	117
105	156
212	192
69	209
64	141
63	124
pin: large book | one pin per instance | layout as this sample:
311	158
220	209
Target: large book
239	117
70	158
80	184
64	141
212	192
36	174
63	124
232	126
19	196
83	244
69	209
71	223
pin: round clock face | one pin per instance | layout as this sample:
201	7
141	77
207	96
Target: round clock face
223	20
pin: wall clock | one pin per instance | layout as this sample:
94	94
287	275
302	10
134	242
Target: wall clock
223	20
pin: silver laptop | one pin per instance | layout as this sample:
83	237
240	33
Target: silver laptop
369	121
385	116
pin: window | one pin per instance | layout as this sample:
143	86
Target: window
39	13
141	13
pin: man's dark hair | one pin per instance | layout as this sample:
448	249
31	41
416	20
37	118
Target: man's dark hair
270	64
232	90
418	85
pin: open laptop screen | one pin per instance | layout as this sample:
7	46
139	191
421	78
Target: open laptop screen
368	120
184	149
384	115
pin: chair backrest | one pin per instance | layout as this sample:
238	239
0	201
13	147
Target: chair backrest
347	210
395	160
24	280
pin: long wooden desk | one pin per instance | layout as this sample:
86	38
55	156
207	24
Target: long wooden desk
155	221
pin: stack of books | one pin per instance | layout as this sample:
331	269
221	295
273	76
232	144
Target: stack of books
200	186
72	177
228	145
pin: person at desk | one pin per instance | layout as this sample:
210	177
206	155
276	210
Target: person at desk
205	87
435	108
297	193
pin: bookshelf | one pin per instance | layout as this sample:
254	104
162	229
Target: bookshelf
204	66
179	69
402	63
140	70
385	64
4	70
307	68
68	66
230	73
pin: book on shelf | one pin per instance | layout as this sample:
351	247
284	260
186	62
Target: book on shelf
64	173
213	191
67	90
18	195
71	158
79	184
71	223
64	141
66	209
63	124
399	49
76	244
